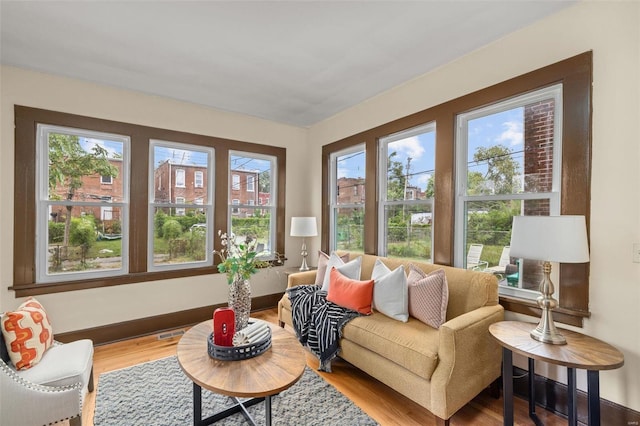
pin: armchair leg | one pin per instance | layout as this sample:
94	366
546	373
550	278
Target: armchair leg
90	384
281	324
75	421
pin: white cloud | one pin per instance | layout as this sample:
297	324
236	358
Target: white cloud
513	133
409	146
89	143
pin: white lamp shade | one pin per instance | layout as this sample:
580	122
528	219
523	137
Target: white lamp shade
303	227
560	239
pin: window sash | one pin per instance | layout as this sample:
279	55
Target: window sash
462	143
44	204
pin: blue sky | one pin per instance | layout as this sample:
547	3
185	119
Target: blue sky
504	128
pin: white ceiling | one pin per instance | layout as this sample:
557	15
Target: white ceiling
292	62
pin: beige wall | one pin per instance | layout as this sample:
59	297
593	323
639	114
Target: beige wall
611	30
89	308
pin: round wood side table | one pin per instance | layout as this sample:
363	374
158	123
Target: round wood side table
581	352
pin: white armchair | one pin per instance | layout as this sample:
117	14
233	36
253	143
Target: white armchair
49	392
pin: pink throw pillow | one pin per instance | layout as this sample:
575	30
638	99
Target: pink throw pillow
323	259
351	294
428	296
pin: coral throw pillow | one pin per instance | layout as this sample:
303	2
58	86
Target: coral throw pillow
351	294
428	296
27	333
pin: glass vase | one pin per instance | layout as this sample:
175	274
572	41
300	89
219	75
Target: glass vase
240	302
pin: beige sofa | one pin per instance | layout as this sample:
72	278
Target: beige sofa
443	369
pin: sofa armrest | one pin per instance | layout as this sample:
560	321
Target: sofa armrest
469	359
301	278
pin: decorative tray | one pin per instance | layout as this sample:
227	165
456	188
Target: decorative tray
237	353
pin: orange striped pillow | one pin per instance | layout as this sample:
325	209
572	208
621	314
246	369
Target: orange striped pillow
27	333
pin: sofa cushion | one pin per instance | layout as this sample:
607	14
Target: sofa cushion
428	296
323	259
27	333
412	345
351	294
390	293
350	269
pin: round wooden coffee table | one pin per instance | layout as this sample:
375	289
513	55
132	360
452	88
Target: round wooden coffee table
259	378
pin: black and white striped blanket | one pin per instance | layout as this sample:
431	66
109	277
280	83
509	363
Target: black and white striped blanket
317	322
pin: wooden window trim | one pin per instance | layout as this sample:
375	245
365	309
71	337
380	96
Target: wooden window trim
576	76
26	120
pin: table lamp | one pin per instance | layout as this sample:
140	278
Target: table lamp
304	227
560	239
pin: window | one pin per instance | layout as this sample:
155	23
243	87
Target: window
476	190
235	182
73	208
174	240
247	220
406	193
102	248
106	179
180	178
251	183
198	179
347	171
507	157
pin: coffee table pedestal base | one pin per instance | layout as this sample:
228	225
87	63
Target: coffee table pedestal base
239	407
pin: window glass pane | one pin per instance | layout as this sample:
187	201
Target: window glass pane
84	169
410	167
82	185
181	207
255	224
179	238
349	178
254	187
349	230
183	165
489	225
408	231
94	239
512	151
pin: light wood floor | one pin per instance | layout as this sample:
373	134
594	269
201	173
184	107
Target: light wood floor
383	404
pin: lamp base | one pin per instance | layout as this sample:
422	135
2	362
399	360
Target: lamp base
304	266
547	336
546	331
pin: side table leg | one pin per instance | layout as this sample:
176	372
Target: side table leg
507	386
593	391
532	388
572	403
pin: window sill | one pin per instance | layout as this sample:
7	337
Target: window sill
529	307
24	290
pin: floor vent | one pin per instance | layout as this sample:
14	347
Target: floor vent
170	334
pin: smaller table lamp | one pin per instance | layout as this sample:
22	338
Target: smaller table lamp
304	227
560	239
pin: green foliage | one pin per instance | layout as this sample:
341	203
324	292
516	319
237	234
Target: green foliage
257	227
171	229
158	222
238	260
501	167
83	231
56	232
395	179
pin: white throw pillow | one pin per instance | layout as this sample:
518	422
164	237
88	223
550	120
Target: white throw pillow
350	269
390	291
